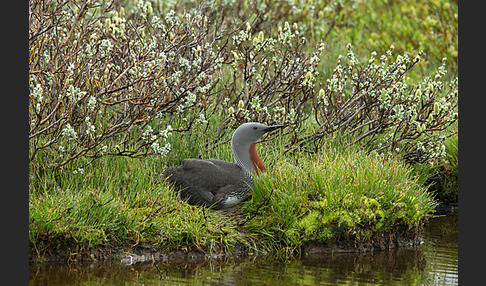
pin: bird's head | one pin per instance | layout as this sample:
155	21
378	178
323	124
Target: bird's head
250	132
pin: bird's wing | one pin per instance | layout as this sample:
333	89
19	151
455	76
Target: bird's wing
211	173
199	180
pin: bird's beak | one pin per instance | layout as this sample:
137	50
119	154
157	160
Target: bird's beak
271	128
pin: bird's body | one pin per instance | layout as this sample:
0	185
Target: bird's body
210	182
220	184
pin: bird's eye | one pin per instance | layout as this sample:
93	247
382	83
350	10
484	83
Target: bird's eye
255	128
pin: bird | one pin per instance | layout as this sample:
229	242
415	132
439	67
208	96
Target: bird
220	184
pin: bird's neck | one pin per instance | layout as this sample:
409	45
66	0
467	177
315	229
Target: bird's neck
257	162
247	158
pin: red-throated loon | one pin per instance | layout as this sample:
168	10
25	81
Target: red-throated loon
220	184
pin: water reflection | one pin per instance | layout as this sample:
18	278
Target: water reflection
434	263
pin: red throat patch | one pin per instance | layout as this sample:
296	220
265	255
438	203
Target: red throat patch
255	159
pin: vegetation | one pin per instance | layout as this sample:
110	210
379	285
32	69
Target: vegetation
342	194
122	90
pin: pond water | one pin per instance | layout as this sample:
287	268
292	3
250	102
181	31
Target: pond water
435	262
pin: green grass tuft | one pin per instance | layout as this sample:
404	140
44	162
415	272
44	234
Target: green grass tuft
337	194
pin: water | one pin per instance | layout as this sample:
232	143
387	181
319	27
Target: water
434	263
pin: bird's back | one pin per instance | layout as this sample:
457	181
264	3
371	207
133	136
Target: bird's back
205	182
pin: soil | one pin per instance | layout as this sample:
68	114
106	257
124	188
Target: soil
69	251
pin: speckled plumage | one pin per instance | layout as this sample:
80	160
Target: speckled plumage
218	181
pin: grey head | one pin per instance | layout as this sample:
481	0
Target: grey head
242	144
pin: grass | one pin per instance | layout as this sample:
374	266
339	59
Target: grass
116	202
442	177
338	194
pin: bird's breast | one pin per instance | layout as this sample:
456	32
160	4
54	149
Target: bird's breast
231	201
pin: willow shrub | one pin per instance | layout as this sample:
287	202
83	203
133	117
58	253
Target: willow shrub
107	82
373	103
409	25
371	100
102	84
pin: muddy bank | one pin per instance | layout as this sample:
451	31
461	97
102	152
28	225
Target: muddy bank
71	252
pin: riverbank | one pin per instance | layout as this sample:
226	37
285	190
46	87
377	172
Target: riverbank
339	200
433	263
72	252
